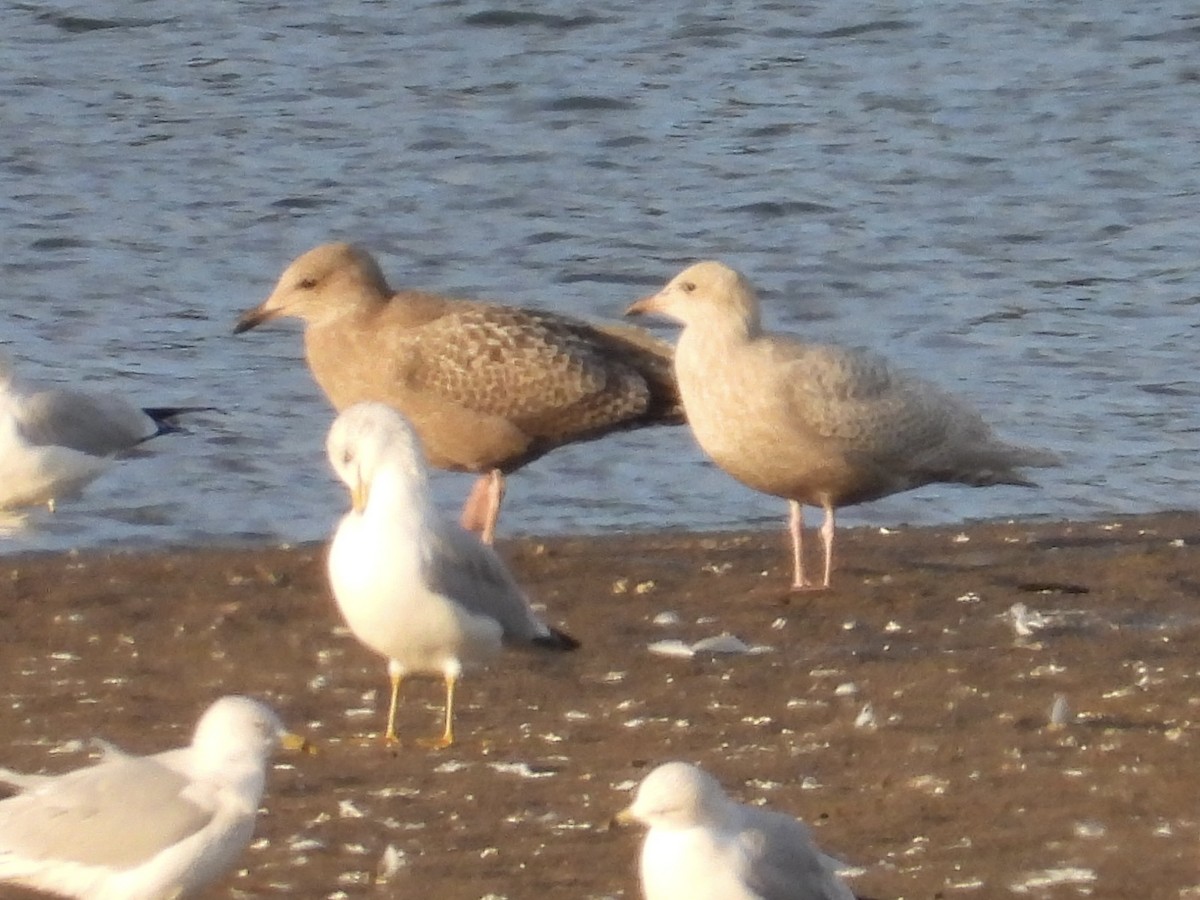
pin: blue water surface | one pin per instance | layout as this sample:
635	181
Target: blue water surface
1000	196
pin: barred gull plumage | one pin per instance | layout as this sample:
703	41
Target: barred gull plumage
488	388
816	424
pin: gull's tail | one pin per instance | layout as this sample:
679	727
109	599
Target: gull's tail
554	639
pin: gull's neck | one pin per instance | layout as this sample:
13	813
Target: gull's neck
729	323
237	767
716	337
325	315
400	496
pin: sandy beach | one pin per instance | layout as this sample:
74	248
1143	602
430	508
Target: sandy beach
900	714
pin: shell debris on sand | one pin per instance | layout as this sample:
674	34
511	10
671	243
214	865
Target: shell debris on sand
718	645
954	700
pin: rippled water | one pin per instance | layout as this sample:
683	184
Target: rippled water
1001	196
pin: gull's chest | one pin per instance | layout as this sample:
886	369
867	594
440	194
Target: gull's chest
732	401
380	581
375	573
714	377
697	863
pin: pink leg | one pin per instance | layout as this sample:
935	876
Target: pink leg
482	509
473	512
796	527
827	528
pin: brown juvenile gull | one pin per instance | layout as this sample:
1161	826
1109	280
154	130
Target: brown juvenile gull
817	424
144	827
422	592
488	388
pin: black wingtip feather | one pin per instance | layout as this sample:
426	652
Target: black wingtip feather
162	416
556	640
161	413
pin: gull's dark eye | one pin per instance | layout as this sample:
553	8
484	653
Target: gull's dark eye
688	286
347	457
307	284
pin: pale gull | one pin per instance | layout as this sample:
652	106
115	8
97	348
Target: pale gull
488	388
144	827
54	441
422	592
816	424
701	845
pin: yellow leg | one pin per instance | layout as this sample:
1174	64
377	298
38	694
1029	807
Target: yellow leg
448	732
447	737
389	736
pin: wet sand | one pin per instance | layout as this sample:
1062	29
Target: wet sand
955	785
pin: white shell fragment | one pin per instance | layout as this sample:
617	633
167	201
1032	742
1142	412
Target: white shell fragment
724	644
390	863
721	643
1025	621
865	717
1060	712
673	647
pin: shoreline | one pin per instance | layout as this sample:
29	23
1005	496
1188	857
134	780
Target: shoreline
852	533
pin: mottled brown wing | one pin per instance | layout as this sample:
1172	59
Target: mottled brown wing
552	376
